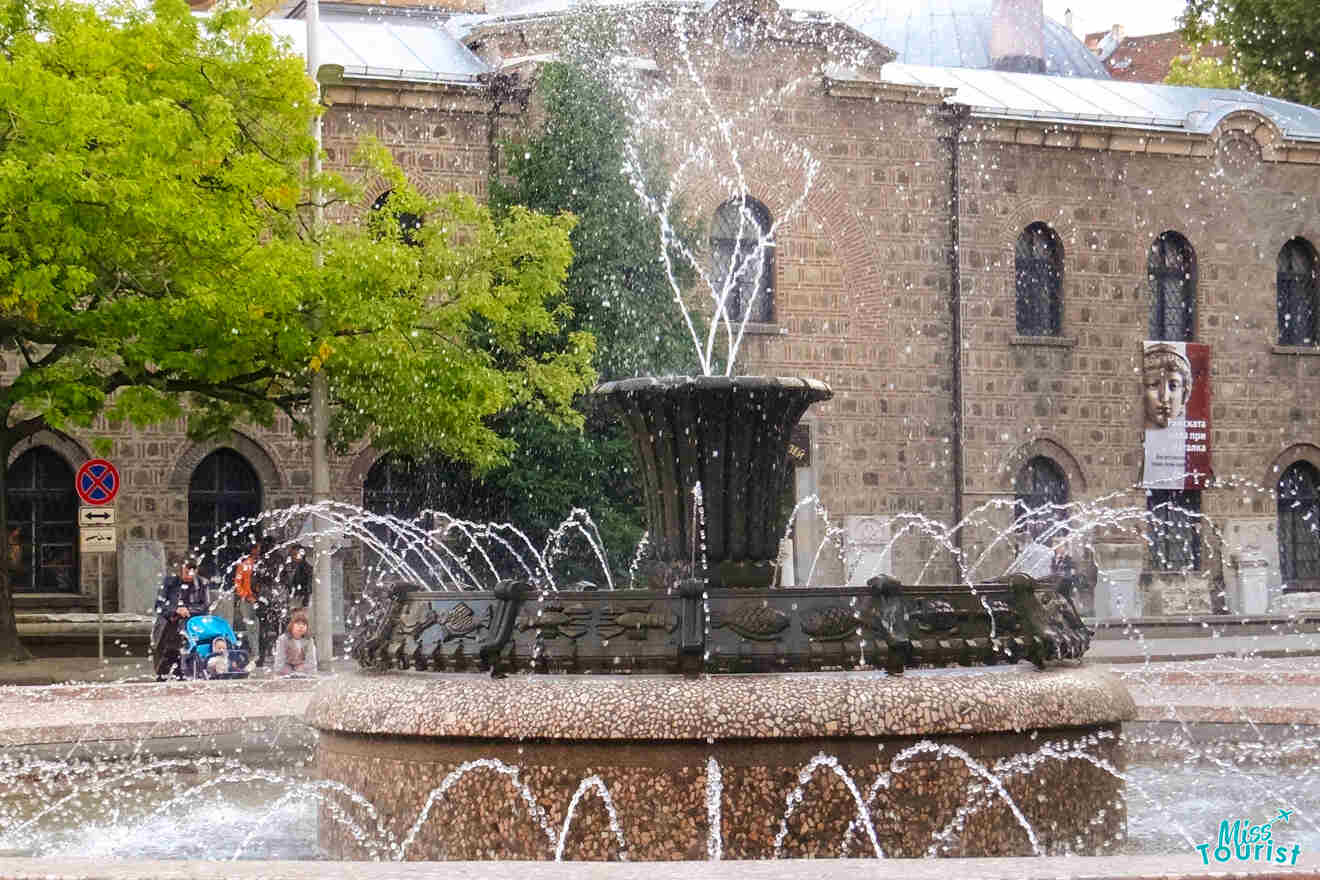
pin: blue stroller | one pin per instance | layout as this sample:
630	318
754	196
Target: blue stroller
211	650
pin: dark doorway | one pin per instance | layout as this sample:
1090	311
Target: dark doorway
43	523
224	490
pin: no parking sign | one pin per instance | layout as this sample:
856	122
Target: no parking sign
97	482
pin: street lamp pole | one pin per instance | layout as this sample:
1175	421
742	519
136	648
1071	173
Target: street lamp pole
322	625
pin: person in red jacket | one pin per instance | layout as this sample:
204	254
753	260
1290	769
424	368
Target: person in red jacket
253	585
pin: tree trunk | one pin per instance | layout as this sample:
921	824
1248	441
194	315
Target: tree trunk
10	647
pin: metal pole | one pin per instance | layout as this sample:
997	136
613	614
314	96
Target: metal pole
100	612
322	625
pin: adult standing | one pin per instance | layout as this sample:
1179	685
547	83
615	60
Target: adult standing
254	586
296	575
182	595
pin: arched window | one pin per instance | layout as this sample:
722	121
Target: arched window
396	486
223	491
43	522
1171	271
1175	529
1040	489
408	223
1038	268
1296	286
1299	524
742	259
404	487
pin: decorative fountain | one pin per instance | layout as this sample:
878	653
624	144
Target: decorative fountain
725	702
689	718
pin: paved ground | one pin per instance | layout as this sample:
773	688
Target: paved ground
118	701
1079	868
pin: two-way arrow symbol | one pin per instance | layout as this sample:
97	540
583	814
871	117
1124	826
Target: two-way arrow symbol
95	515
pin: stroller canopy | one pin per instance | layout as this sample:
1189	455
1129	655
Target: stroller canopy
202	628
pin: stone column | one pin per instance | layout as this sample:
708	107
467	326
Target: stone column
141	571
1118	575
787	574
1249	594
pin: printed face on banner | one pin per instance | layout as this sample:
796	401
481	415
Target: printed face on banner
1176	405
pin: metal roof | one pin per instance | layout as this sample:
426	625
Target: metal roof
1103	102
945	33
950	33
374	48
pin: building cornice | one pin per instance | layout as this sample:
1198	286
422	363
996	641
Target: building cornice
451	97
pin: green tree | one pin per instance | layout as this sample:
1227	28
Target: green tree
1272	44
1205	72
155	259
618	290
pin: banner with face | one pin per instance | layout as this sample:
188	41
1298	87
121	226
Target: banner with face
1175	379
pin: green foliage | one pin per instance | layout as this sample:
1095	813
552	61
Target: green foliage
424	340
153	258
156	257
1272	44
1209	73
617	284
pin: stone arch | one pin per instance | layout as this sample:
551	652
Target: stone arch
377	185
1256	126
1047	448
256	454
1032	211
1307	452
860	262
70	449
1151	218
363	462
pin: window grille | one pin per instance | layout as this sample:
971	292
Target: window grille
742	257
1039	281
1296	287
1175	533
224	490
1041	490
1299	523
1171	271
43	523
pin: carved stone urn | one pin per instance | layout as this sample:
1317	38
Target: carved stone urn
713	456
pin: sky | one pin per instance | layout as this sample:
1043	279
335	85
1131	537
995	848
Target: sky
1137	16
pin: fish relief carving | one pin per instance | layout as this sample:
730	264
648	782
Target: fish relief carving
413	627
461	622
831	624
556	620
752	620
935	616
635	620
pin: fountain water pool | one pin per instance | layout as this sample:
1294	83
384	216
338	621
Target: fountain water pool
200	799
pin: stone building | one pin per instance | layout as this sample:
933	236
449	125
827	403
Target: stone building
988	230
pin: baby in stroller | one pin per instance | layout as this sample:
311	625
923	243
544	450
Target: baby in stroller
211	650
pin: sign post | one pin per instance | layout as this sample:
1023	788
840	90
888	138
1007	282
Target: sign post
97	483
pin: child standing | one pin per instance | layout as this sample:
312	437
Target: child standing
295	653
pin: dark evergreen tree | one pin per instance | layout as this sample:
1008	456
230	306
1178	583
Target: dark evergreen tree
617	288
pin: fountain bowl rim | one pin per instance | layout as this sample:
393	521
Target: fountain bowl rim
814	389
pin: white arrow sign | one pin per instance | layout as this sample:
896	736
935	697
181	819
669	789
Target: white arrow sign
96	516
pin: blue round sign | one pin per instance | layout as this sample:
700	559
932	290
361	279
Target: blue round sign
97	482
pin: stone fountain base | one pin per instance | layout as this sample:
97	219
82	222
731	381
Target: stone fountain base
678	757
